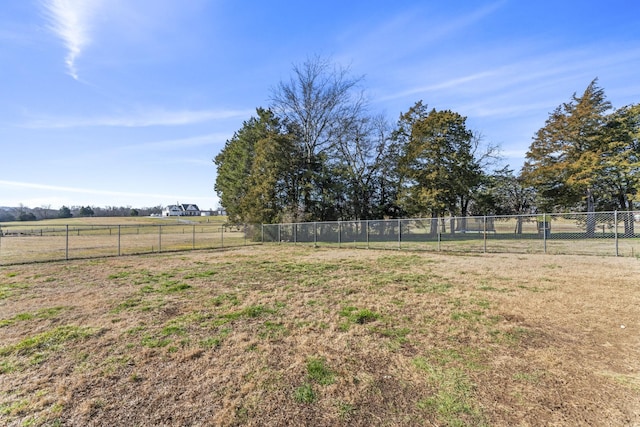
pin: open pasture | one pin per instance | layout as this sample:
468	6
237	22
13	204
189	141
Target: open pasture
296	335
99	237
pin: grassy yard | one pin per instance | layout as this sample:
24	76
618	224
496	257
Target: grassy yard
296	335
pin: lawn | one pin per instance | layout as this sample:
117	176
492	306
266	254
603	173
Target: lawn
296	335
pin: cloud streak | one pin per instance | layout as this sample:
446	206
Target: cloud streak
180	143
147	118
93	192
70	20
507	85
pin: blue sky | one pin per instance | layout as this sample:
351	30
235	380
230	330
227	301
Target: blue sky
126	102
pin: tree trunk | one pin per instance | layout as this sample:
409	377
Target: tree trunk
464	209
591	216
519	225
629	229
433	230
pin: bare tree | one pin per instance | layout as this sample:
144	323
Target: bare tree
46	208
318	103
316	99
362	149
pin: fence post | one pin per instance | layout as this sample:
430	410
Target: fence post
118	239
339	234
484	228
615	228
279	233
66	244
262	234
315	235
367	225
399	234
544	231
222	236
159	238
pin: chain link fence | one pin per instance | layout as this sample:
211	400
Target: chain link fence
599	233
25	244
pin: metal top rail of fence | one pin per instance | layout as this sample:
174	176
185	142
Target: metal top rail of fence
595	233
20	243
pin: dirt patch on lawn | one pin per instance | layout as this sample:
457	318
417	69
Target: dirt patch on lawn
277	335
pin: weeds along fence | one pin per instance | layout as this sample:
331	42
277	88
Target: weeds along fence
30	243
600	233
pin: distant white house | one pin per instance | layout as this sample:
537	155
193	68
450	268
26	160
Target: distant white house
181	209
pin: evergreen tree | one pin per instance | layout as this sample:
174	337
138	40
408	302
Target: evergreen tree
437	163
234	164
86	211
272	194
257	171
619	163
571	159
64	212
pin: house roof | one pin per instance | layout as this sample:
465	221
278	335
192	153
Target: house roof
183	207
187	206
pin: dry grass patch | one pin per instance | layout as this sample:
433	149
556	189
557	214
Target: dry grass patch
303	336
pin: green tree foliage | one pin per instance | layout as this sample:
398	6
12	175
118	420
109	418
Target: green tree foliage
64	212
437	163
619	163
314	155
86	211
234	164
503	193
317	155
6	217
585	157
563	155
257	171
273	188
27	216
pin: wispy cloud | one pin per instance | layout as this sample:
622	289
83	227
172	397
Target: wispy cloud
440	85
94	192
147	118
70	20
453	26
507	85
408	34
179	143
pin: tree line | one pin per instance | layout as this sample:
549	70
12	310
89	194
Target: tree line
23	213
318	154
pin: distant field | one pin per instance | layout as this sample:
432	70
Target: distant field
75	238
108	220
296	335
